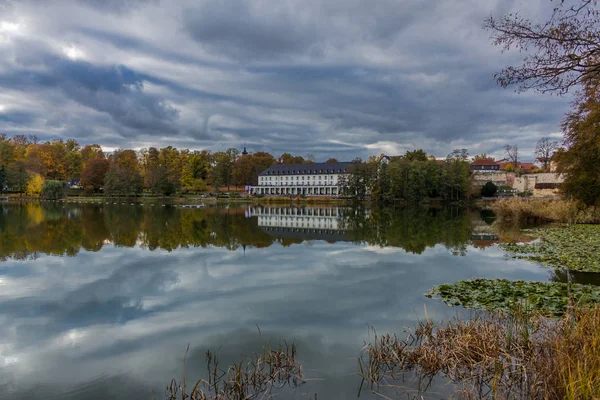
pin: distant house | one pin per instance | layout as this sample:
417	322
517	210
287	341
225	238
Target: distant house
485	164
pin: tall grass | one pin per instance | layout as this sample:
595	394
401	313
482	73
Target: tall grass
522	210
253	377
517	355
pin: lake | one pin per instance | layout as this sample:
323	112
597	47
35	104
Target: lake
100	301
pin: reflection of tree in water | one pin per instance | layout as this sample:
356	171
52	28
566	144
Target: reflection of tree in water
413	229
63	229
585	278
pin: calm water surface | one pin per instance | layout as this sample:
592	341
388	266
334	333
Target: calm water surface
99	301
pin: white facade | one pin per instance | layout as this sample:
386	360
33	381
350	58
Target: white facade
302	179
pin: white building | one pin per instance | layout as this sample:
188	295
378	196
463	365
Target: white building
317	179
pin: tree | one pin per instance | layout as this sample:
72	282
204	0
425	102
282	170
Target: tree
579	161
34	186
16	176
195	172
52	190
544	150
459	155
123	177
331	160
3	179
565	48
489	189
482	156
416	155
512	154
223	167
92	177
90	152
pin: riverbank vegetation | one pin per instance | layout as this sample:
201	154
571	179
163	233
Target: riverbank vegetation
498	355
517	210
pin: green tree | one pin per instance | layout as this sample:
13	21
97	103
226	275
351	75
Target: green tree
17	177
52	190
489	189
416	155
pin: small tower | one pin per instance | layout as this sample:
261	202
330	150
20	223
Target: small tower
244	152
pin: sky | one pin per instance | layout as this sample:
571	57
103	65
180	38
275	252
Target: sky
340	79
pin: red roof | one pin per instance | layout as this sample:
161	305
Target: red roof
484	161
523	166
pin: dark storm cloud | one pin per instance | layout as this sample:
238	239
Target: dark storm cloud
113	89
317	77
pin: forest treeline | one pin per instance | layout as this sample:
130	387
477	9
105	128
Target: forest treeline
25	164
31	229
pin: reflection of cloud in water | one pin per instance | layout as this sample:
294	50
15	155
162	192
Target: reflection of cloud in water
115	323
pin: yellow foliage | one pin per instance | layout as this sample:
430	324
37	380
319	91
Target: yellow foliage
34	186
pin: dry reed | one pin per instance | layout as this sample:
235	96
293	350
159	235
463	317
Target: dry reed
252	377
517	355
521	210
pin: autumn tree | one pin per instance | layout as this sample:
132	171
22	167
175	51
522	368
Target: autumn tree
3	179
92	177
482	156
34	185
90	152
580	159
287	158
544	150
331	160
561	52
123	177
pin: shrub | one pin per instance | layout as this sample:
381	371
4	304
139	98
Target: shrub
34	184
52	190
489	190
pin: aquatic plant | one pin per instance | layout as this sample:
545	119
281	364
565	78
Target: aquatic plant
548	298
254	376
576	248
497	355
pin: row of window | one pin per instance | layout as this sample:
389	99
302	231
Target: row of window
268	178
309	171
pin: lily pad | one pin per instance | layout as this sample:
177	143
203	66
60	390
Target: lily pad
576	248
550	298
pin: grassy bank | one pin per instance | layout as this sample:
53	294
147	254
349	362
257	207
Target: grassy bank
498	355
519	210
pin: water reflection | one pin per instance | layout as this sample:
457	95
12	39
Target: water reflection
28	230
112	318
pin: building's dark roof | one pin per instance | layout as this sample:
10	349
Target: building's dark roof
305	169
485	161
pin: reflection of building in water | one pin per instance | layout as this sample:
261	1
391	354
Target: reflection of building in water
307	223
